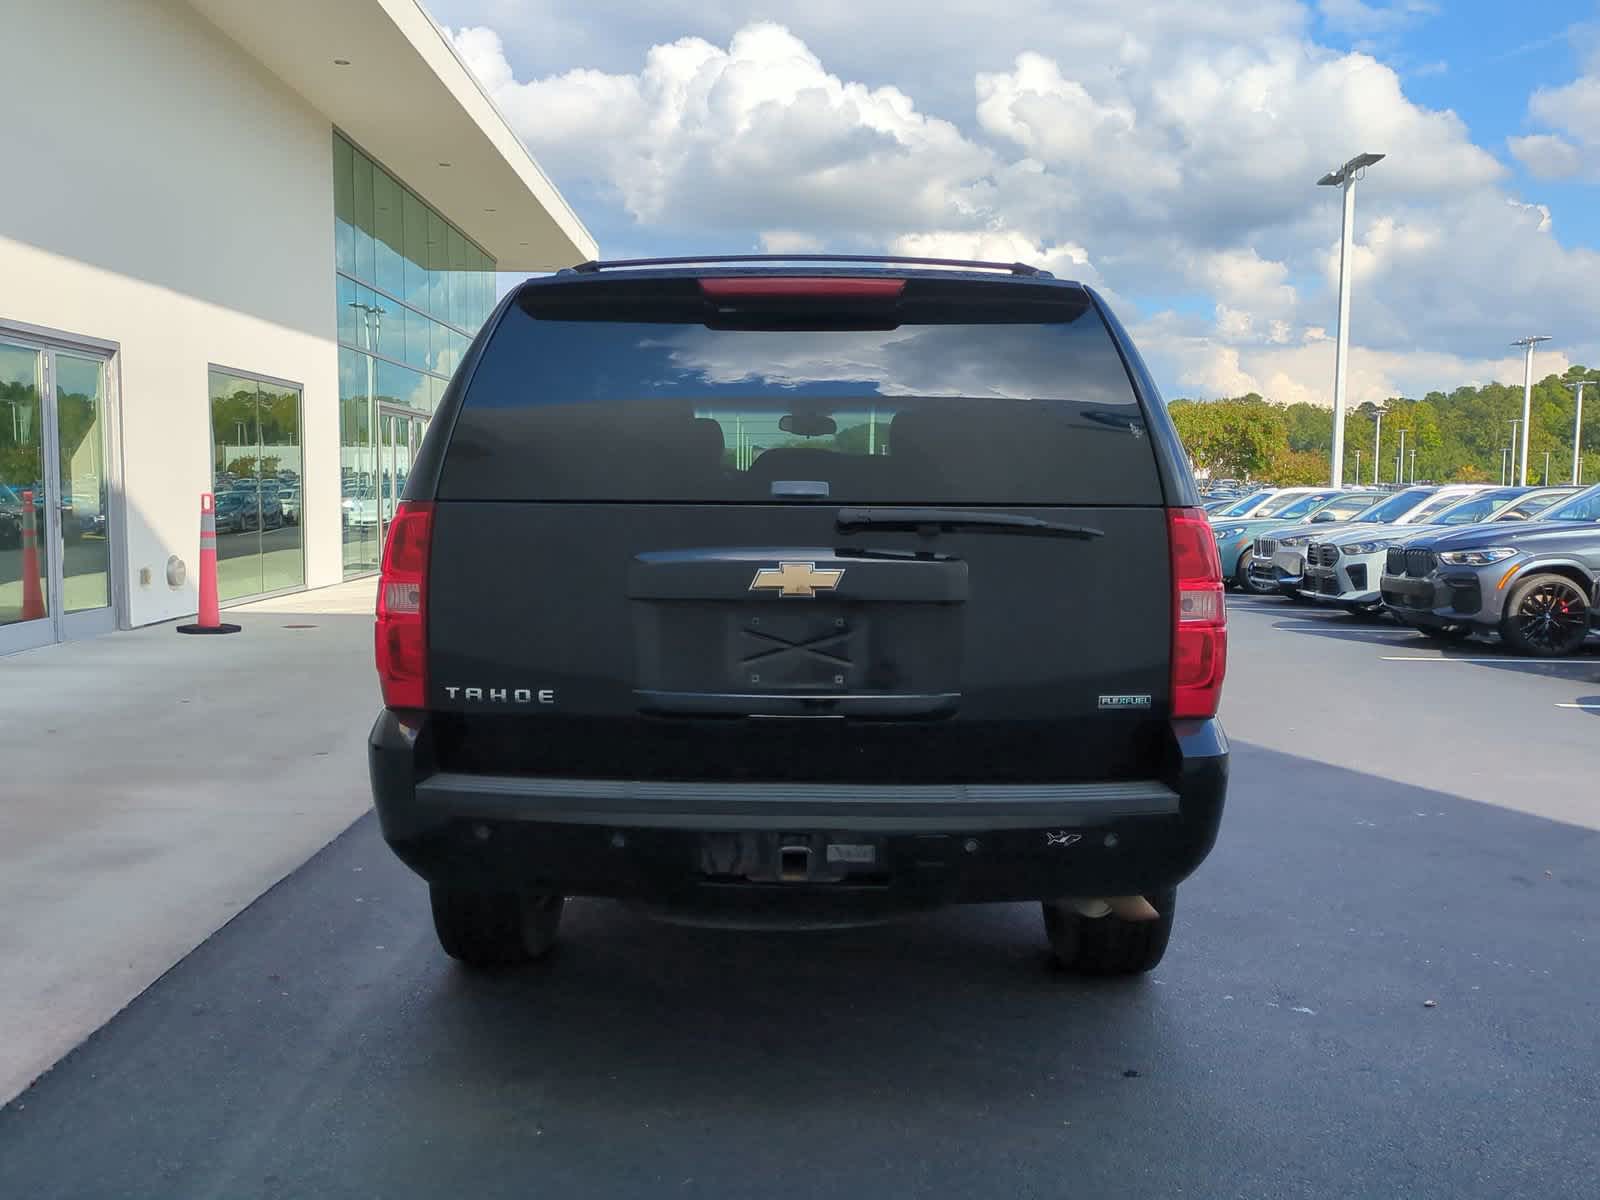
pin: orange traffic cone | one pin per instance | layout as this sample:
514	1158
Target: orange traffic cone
209	618
32	594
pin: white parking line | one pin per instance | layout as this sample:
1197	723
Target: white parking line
1586	707
1546	662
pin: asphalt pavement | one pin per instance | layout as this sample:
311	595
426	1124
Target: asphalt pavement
1381	984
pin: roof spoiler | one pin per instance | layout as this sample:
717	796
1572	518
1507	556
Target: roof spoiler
1015	268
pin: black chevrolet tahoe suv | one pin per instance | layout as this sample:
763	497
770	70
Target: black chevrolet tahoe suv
801	592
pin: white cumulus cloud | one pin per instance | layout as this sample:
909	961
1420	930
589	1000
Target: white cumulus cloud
1164	151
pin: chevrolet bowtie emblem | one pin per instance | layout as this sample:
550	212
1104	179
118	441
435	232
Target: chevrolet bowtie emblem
803	579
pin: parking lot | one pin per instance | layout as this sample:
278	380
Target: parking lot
1381	984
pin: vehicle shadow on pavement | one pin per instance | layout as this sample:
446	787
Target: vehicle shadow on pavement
1380	630
320	1044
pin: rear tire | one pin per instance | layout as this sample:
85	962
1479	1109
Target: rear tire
494	929
1546	616
1106	946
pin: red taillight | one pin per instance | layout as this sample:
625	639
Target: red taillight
402	633
1199	615
763	287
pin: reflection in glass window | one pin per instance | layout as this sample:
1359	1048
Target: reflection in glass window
415	221
365	261
438	267
344	206
457	290
357	463
256	462
1001	412
390	242
80	413
21	486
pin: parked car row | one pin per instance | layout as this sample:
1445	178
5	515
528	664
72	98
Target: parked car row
1451	561
246	504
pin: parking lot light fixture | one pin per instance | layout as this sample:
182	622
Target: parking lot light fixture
1514	423
1377	443
1577	426
1527	344
1345	177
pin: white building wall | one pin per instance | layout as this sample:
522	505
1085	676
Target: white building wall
162	191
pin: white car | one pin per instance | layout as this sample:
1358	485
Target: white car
1284	558
1344	568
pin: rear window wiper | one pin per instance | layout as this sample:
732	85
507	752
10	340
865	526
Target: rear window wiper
929	521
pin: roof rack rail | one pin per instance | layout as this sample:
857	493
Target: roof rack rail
1015	268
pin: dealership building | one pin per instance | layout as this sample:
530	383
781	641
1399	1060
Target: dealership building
242	247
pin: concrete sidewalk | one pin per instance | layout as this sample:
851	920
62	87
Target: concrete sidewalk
151	786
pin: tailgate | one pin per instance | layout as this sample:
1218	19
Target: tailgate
730	642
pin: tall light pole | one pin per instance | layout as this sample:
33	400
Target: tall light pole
1413	464
1547	468
1527	344
1377	443
1345	177
1358	466
1504	450
1577	426
1512	478
1400	461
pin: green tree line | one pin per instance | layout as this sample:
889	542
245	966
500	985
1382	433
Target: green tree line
1458	436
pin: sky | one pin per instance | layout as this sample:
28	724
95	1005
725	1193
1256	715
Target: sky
1164	151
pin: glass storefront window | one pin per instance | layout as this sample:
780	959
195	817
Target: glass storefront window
415	220
457	290
438	265
390	241
410	289
349	318
24	594
344	206
80	417
365	260
401	387
256	478
358	512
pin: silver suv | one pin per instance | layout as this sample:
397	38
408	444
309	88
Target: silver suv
1342	569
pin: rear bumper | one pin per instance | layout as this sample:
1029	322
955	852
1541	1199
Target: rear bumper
867	849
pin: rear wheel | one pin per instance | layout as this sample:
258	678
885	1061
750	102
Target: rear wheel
1546	616
494	929
1109	945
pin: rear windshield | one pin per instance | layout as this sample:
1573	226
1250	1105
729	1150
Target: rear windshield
990	402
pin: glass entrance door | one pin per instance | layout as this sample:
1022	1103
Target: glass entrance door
55	550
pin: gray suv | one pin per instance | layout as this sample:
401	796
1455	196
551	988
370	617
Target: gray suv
1532	583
